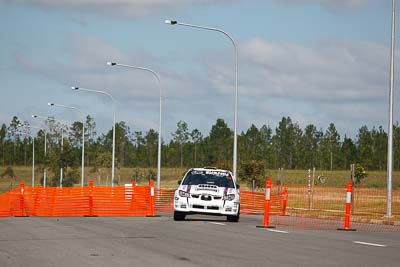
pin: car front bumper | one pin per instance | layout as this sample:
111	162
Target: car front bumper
215	207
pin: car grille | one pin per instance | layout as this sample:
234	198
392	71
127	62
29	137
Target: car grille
207	187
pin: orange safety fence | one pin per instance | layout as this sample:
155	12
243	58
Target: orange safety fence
324	208
78	201
250	202
109	201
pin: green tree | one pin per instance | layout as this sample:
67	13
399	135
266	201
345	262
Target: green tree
287	141
379	148
251	142
396	146
359	174
90	136
348	152
266	152
219	143
331	146
12	132
250	171
181	136
151	140
3	134
310	141
140	148
75	134
196	137
123	143
364	147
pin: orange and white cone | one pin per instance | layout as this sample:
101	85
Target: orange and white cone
267	206
348	208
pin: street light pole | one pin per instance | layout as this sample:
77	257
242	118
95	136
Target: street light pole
174	22
61	156
83	136
390	125
160	113
113	141
45	151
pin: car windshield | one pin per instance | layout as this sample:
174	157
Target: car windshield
218	178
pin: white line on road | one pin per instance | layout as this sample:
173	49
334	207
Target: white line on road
217	223
278	231
369	244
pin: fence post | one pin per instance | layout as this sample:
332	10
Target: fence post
90	200
284	202
309	193
133	200
267	205
348	208
152	200
22	200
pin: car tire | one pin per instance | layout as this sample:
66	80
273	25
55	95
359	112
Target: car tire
233	218
179	216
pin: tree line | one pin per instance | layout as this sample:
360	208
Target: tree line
285	146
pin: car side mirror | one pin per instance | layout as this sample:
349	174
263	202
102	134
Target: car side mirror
179	182
237	186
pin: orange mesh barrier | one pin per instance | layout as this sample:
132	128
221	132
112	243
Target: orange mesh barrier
250	202
324	208
165	200
5	204
77	201
108	201
253	202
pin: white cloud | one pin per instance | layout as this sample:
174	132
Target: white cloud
137	93
331	71
123	8
330	4
341	82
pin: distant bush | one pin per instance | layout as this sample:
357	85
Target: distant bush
71	178
8	172
250	171
359	174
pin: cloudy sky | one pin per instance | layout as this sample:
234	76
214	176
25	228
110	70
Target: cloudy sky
317	61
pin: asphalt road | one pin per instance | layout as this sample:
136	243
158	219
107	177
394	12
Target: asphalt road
198	241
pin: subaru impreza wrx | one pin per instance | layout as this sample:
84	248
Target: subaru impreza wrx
207	191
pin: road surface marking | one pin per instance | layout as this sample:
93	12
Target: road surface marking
217	223
278	231
369	244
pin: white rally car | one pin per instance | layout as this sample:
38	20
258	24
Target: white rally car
207	191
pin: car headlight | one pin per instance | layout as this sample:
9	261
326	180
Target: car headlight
229	197
183	194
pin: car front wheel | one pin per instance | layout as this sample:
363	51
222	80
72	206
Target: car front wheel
179	216
233	218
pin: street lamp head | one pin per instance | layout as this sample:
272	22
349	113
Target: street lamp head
74	88
171	22
111	63
50	104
